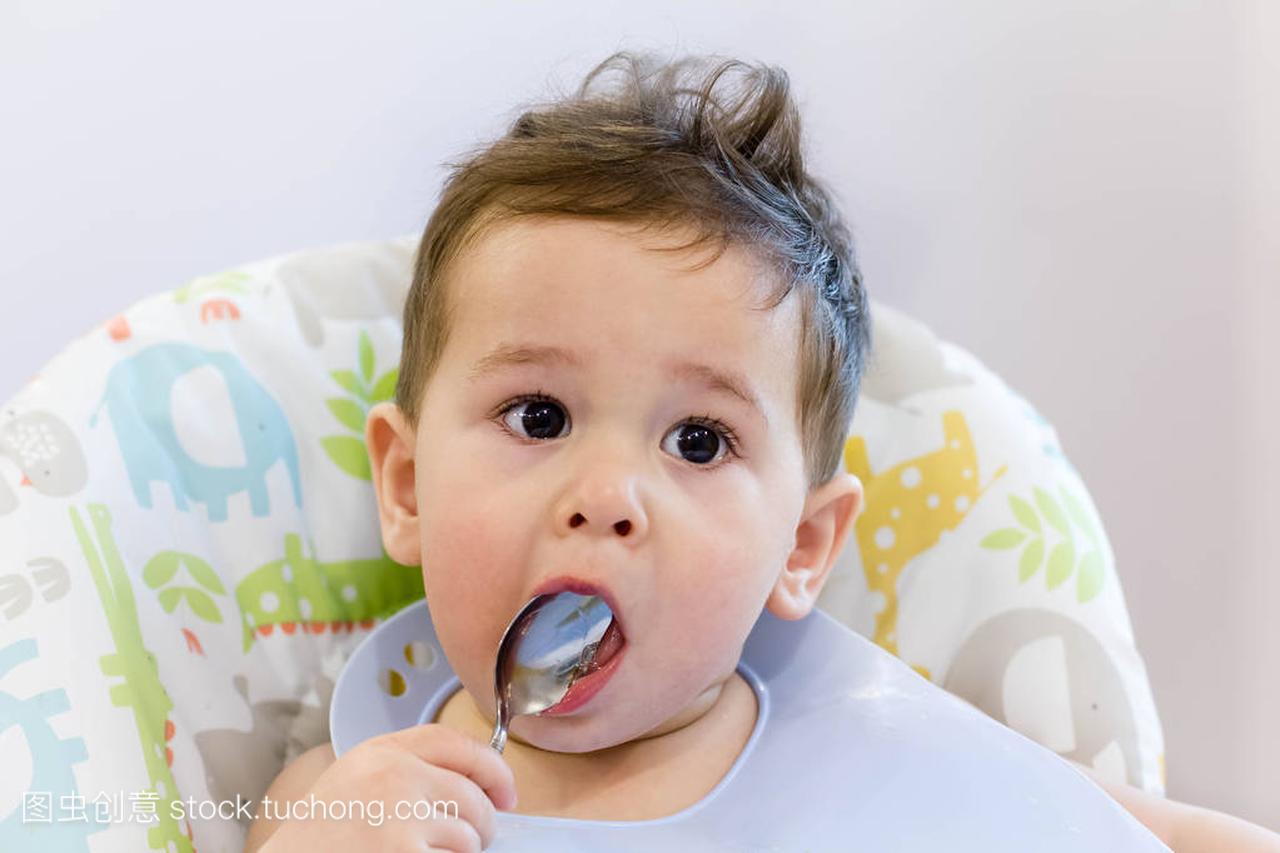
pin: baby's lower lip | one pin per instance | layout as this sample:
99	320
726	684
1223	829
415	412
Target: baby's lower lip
587	686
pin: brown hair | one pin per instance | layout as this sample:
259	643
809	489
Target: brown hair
659	151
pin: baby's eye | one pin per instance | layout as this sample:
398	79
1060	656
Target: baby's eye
536	418
699	442
702	441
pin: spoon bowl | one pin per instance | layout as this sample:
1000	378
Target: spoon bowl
548	645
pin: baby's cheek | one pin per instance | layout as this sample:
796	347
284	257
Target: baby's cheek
471	579
732	572
463	532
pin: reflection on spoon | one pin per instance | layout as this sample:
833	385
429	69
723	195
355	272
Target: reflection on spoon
551	643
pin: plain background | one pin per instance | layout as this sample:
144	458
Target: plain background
1082	195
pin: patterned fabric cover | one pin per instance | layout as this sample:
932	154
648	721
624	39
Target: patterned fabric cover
189	551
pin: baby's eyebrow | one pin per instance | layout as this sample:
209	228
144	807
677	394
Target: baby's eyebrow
724	381
727	382
509	354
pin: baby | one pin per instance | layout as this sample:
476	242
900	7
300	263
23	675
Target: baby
632	350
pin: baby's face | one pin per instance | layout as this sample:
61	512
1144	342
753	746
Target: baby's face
579	425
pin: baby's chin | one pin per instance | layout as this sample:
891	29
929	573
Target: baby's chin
591	729
581	732
612	718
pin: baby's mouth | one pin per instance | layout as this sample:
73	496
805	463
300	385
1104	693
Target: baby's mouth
591	677
610	642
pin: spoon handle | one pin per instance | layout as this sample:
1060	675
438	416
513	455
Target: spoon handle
499	739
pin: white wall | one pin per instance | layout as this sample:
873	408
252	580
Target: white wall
1079	196
1259	457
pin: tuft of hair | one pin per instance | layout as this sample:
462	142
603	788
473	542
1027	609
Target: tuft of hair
703	142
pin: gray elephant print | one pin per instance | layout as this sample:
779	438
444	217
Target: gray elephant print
47	453
1100	716
138	394
242	764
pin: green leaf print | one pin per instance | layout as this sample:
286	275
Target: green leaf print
1007	537
1031	557
1024	513
366	357
1052	512
385	388
1078	514
349	454
350	382
204	574
1075	520
160	569
1089	577
1061	560
202	605
170	597
350	414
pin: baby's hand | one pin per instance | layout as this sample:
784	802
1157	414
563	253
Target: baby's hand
430	763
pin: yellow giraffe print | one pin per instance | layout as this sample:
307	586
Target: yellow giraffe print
907	508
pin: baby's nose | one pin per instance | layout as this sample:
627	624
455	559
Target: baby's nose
606	492
604	505
623	526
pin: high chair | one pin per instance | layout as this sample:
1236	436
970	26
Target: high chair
189	550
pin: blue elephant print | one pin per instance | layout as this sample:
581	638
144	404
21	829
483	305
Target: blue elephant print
138	394
51	760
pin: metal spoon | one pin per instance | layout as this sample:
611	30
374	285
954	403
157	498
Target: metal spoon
548	645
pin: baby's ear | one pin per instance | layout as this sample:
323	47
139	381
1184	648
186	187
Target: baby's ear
825	524
390	442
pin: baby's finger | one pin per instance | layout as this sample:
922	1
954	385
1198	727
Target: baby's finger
469	803
456	836
443	747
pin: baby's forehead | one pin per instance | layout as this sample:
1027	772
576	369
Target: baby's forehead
609	293
514	262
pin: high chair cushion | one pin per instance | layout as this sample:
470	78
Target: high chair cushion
189	551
